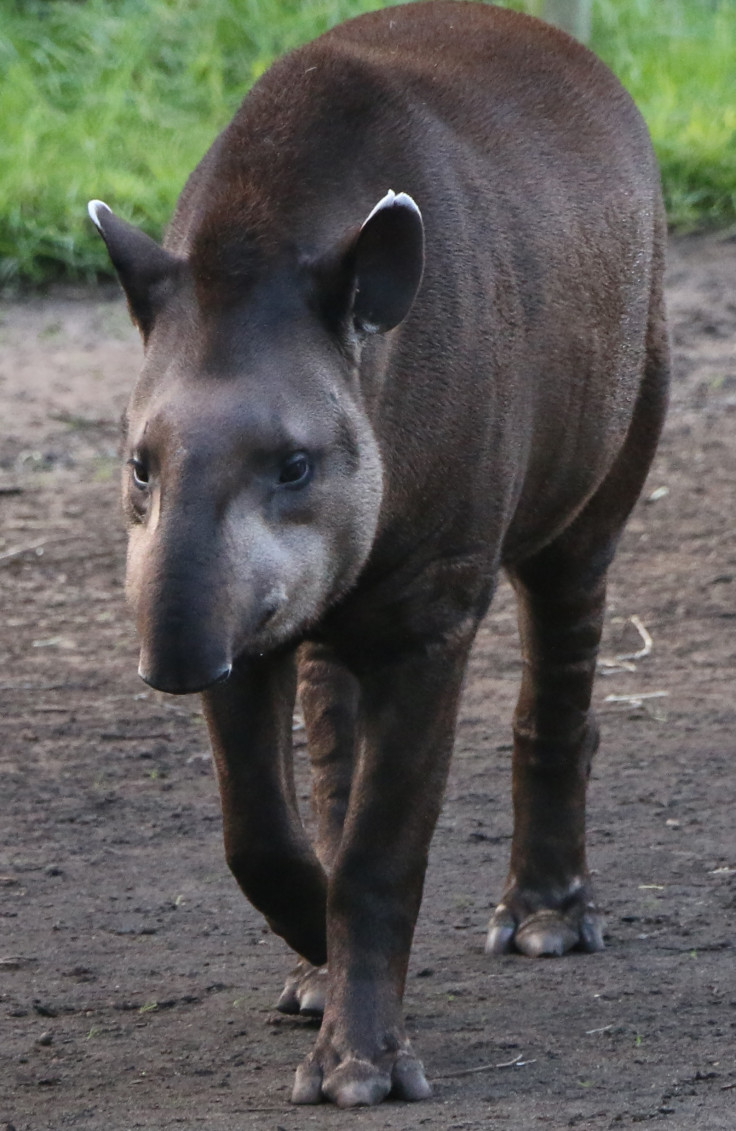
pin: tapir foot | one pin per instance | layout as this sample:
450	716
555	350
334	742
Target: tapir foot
523	923
355	1081
305	990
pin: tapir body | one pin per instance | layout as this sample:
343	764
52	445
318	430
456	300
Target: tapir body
357	406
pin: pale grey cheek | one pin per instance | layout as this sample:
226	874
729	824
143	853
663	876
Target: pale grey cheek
286	573
297	570
306	572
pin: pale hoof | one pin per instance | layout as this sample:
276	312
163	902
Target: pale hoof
408	1081
357	1082
501	931
307	1084
546	933
305	991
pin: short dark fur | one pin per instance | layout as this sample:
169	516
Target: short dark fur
507	419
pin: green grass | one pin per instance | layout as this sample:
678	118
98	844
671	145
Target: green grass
119	99
678	60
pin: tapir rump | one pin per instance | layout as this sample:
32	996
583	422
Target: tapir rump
406	330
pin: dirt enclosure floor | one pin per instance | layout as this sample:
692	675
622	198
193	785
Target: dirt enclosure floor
137	985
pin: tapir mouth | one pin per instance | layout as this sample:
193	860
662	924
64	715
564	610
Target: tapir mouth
184	683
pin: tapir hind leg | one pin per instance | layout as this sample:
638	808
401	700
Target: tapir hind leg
328	694
547	905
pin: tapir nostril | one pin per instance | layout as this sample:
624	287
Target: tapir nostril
176	683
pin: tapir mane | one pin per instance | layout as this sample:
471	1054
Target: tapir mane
288	178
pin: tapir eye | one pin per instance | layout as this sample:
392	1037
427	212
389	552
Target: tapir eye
296	470
140	473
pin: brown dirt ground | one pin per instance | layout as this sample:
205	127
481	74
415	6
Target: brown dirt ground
136	985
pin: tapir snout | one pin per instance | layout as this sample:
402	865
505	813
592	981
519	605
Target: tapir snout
185	640
211	593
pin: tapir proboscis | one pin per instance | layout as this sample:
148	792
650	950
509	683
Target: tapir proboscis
357	406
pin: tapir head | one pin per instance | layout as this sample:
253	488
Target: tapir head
253	477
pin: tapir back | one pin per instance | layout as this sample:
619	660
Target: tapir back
520	362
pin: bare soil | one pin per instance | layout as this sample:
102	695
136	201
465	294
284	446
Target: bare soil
136	984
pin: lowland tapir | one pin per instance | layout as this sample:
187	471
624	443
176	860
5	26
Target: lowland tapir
406	330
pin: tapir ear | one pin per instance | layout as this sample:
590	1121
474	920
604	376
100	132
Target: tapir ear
387	261
142	265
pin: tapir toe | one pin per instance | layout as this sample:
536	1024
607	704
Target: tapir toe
305	990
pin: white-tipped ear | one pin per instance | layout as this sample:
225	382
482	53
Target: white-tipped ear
96	209
391	199
388	261
139	261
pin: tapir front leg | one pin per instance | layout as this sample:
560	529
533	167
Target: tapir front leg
408	714
250	724
329	694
